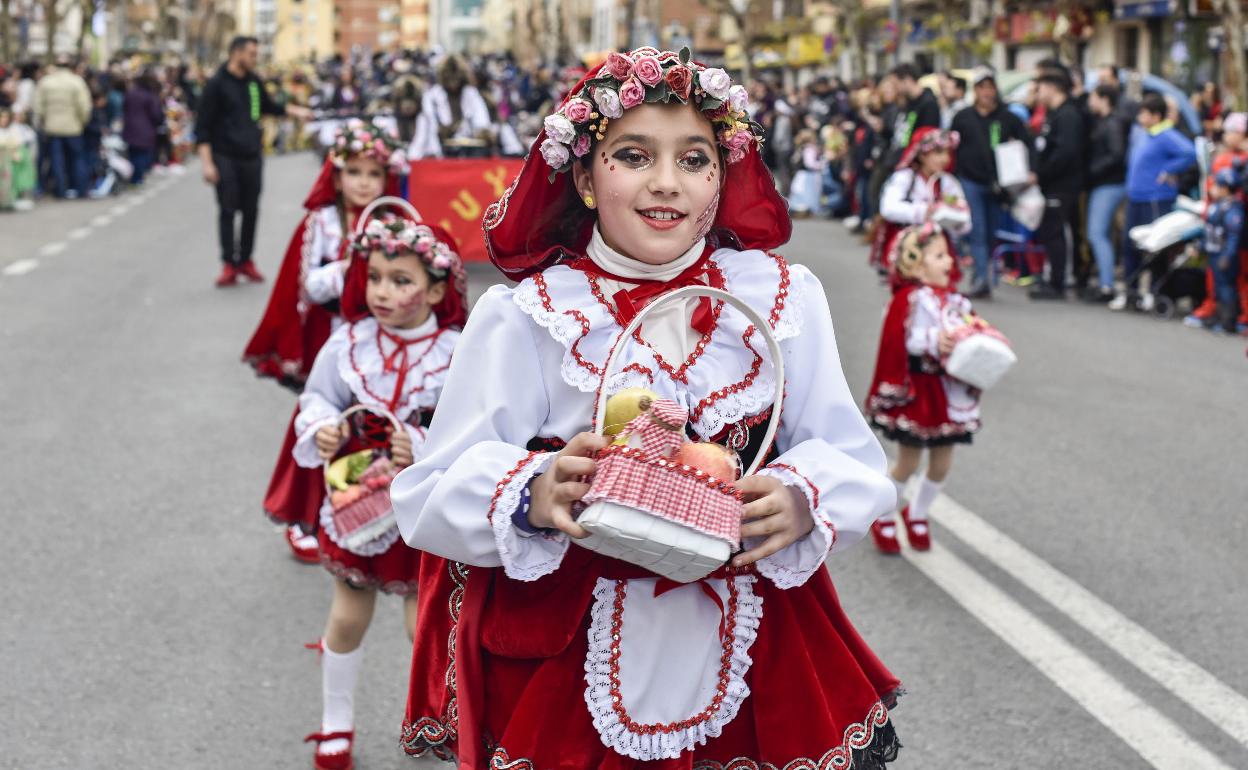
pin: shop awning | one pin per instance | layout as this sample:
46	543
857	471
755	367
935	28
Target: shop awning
1143	9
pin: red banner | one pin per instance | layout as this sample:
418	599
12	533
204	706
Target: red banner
454	194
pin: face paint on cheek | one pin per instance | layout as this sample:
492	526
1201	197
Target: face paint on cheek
414	301
707	218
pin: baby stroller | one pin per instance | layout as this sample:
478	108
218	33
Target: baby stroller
114	166
1169	272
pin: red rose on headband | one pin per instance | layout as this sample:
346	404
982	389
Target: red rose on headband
680	80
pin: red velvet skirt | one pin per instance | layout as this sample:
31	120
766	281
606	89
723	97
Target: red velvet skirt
498	678
924	419
295	493
394	571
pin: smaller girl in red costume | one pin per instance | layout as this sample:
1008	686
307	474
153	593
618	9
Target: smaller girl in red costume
912	401
922	190
363	164
404	303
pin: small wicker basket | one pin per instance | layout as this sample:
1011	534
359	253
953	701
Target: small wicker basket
642	508
981	355
367	518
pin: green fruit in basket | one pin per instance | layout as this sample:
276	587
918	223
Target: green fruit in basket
358	462
624	406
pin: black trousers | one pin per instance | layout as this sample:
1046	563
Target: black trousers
1056	234
238	191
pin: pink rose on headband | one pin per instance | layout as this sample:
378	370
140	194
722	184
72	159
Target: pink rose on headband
619	65
648	70
738	98
559	128
581	146
632	93
578	110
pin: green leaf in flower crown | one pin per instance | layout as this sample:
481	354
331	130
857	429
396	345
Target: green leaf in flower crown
685	55
658	94
711	103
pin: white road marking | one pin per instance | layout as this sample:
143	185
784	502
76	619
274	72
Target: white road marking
78	233
20	267
52	249
119	209
1157	739
1192	684
103	220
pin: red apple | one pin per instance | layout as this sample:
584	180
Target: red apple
710	458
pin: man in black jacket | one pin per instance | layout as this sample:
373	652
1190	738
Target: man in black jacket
228	132
922	108
981	127
1059	150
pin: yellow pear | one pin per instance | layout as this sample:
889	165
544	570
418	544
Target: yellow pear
626	405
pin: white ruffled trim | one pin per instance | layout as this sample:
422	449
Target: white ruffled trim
657	745
793	565
374	547
429	373
754	276
525	558
564	329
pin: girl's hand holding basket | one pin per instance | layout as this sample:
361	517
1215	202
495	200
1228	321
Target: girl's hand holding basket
557	490
401	448
330	439
773	511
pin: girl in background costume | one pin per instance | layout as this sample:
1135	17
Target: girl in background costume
404	304
363	164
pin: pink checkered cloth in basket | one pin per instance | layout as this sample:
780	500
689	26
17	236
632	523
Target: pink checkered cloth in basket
370	507
647	479
976	325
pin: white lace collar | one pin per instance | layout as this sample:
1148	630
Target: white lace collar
362	364
616	263
722	382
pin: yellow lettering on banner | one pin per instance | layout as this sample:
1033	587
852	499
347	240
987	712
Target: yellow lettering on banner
466	206
497	177
446	225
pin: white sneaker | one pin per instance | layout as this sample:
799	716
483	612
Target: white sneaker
23	204
1147	303
1118	303
851	222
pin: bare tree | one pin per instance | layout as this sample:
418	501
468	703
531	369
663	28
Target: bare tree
51	23
630	21
1233	22
6	30
853	18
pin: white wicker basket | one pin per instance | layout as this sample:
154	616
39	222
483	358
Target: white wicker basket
674	551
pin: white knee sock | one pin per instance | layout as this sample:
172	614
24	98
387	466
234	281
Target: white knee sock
890	518
339	673
922	502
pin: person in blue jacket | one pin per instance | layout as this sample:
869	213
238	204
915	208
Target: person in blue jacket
1222	235
1158	156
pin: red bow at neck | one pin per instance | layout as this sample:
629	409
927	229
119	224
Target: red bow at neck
398	361
629	302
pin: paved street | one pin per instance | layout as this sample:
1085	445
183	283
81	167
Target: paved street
1086	604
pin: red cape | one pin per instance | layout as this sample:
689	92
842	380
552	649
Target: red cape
291	331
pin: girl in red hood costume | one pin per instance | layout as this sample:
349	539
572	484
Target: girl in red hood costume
535	653
362	165
403	303
916	190
911	400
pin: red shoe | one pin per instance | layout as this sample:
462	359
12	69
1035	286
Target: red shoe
229	274
917	532
338	761
248	270
304	547
884	535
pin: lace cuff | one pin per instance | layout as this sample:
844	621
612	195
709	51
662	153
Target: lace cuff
524	557
793	565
